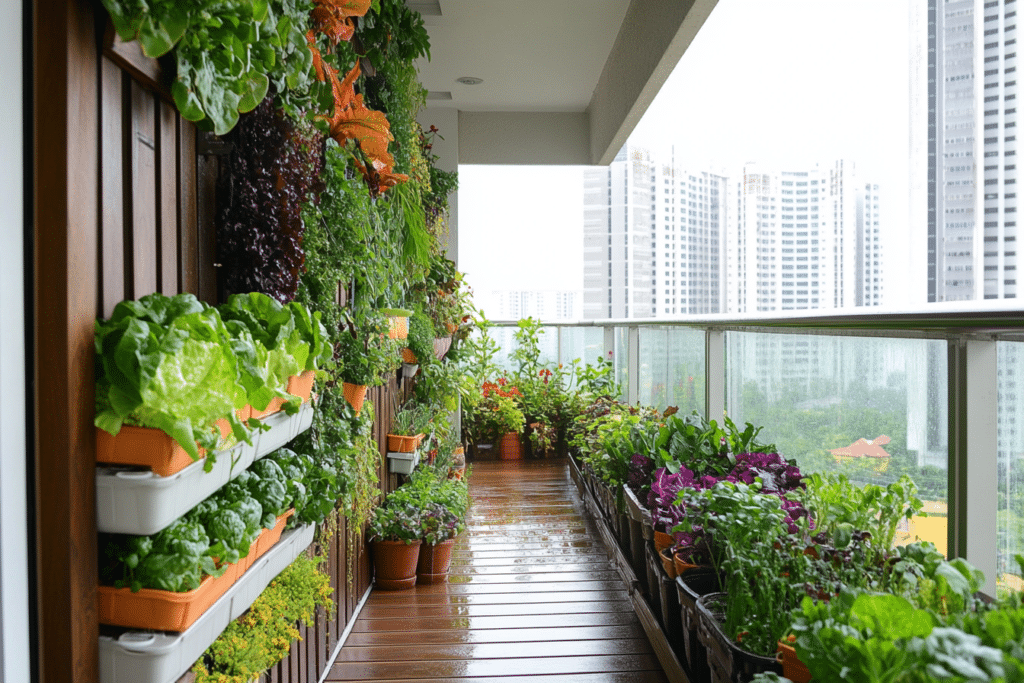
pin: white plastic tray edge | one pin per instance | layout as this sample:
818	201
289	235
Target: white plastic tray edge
157	657
143	503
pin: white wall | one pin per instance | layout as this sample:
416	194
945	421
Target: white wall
14	632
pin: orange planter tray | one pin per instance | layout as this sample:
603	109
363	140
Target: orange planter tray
404	444
152	448
792	667
158	610
298	385
269	537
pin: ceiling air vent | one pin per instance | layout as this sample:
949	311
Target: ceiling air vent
439	95
428	8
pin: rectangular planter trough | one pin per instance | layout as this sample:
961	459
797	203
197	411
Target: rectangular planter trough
140	502
157	657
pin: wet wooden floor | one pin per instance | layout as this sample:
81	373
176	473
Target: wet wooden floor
531	597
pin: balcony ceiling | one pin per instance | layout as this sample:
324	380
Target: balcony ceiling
533	55
564	81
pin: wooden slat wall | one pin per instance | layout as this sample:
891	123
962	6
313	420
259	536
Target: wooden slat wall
123	206
310	657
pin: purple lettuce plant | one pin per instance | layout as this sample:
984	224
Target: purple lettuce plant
641	468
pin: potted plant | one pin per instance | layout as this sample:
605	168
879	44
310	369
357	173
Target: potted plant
396	536
441	525
408	428
167	377
398	322
420	340
366	354
498	418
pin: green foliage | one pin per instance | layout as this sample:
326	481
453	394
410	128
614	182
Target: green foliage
839	507
175	559
262	636
877	638
391	32
598	379
411	420
288	340
421	337
228	53
365	351
744	526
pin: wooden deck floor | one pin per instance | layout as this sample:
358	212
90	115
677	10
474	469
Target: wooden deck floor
531	597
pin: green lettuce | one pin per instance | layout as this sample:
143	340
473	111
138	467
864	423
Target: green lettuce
168	363
294	340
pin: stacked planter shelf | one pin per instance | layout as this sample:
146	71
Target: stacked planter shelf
131	501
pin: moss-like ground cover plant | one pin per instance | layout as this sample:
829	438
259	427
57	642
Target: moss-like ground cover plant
263	635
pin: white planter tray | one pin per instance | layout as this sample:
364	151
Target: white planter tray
142	503
403	463
158	657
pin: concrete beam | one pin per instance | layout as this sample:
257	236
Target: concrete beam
653	37
540	138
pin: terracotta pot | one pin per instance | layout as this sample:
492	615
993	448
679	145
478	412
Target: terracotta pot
682	566
158	610
663	540
394	564
792	667
668	562
398	443
398	327
409	357
510	447
355	394
434	562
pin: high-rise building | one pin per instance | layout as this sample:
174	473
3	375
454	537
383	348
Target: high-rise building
791	240
971	133
661	241
542	304
870	279
652	239
617	214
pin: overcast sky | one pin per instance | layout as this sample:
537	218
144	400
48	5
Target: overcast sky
786	83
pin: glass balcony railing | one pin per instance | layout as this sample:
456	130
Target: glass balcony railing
932	396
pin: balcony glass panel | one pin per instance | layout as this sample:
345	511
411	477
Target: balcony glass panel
672	371
621	358
584	343
1010	459
871	408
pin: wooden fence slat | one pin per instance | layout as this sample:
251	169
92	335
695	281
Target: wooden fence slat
111	258
206	247
188	227
167	173
143	191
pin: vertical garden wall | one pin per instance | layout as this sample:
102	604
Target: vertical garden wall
213	150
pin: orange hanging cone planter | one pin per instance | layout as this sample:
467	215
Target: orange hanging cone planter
355	394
